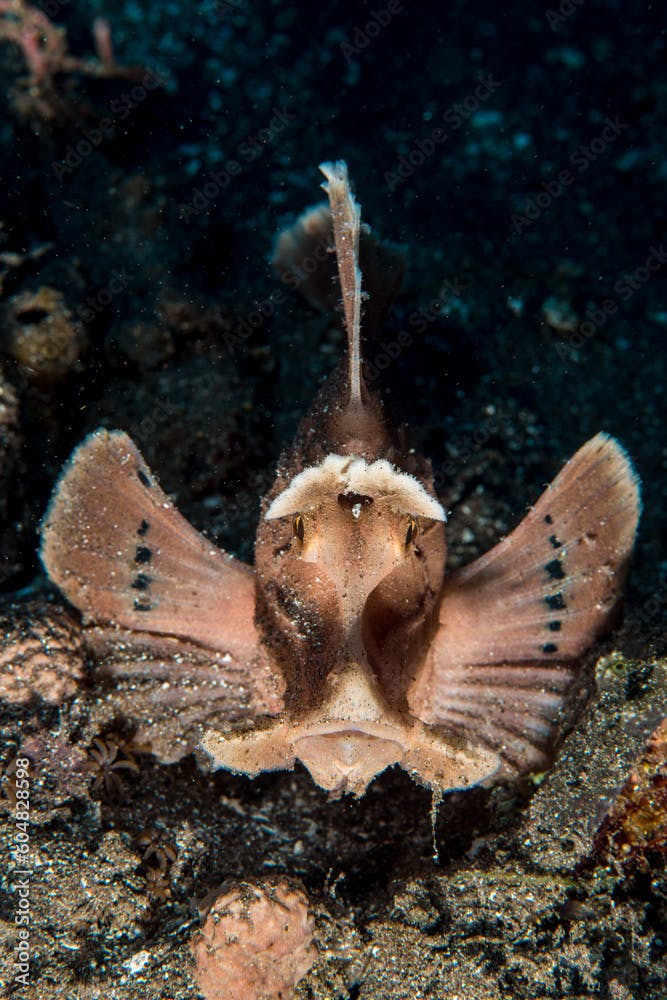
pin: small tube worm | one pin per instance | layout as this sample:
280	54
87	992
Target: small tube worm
347	646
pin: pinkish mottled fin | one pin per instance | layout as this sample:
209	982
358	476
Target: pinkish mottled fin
118	549
169	689
515	623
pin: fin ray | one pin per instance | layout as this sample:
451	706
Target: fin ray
514	624
118	549
171	690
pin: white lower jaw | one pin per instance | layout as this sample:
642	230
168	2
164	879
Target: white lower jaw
349	740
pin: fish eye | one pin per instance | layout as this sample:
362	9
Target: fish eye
298	527
411	530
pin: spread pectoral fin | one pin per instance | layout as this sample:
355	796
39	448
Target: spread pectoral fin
170	690
118	549
514	623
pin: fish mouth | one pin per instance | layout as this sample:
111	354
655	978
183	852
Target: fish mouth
355	736
346	760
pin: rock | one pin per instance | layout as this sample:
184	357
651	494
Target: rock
42	334
41	654
256	943
633	834
564	817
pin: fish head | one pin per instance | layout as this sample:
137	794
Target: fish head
341	561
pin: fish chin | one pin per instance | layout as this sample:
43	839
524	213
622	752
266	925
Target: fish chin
347	761
350	740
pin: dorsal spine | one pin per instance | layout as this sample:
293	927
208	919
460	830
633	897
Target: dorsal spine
346	217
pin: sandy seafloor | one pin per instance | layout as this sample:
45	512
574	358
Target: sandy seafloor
542	198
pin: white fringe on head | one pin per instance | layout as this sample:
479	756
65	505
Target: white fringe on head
343	474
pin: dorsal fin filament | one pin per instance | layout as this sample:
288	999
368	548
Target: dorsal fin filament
346	217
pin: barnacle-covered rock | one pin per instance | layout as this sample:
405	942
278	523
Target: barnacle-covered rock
41	654
256	943
42	334
633	834
560	830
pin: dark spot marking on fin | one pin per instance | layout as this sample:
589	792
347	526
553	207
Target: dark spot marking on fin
548	519
549	647
142	582
142	604
555	626
555	542
143	528
142	555
555	570
556	601
143	478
